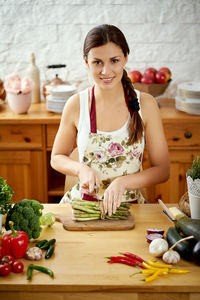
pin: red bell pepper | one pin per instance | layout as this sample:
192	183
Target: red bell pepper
15	243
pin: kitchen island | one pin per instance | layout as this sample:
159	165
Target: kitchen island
81	271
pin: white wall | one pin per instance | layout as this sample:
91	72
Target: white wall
159	33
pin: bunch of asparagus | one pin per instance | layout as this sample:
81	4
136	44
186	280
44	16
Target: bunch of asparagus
84	210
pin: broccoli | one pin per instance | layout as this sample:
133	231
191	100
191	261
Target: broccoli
25	215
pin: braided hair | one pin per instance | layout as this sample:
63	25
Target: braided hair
136	125
99	36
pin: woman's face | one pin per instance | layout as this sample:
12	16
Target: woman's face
106	64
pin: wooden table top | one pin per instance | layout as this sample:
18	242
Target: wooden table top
79	262
38	114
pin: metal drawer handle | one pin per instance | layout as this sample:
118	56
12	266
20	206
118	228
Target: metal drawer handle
188	134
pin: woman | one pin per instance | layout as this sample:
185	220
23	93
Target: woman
110	123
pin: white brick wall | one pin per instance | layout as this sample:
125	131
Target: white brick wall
159	33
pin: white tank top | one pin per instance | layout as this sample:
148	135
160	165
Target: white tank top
84	123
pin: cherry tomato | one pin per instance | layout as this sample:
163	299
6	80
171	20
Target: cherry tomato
5	269
8	259
17	267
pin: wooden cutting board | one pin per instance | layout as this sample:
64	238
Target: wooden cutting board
102	225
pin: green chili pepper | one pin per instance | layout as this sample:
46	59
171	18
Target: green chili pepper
41	243
48	244
50	251
42	269
29	272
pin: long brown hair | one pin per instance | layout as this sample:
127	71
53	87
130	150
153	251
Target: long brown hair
99	36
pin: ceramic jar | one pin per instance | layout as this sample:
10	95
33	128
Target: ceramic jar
19	103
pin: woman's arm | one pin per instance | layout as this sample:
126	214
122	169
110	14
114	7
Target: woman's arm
65	139
65	142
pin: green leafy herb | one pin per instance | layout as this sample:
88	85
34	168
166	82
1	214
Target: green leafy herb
6	193
194	172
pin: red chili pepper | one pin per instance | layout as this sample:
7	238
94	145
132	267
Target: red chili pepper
133	256
126	260
15	243
123	260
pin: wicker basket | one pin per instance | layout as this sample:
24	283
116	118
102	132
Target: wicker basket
184	204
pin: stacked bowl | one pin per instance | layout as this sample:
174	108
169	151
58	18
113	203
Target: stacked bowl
188	97
59	94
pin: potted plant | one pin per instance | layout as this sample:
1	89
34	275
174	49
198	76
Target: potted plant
193	185
6	193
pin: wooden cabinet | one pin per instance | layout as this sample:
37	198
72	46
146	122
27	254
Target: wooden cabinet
24	172
26	141
21	160
182	132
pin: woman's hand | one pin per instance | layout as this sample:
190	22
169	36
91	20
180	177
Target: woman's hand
113	196
88	178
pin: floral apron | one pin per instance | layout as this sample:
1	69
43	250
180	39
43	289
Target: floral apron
110	156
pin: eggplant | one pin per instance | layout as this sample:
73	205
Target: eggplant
196	253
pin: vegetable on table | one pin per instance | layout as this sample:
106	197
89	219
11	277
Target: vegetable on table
17	267
33	253
50	251
158	247
15	243
6	193
2	252
128	259
26	217
189	227
184	248
84	210
47	219
171	257
42	269
153	236
48	244
155	230
5	269
41	243
196	253
149	267
8	259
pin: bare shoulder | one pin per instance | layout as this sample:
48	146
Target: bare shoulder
72	109
149	107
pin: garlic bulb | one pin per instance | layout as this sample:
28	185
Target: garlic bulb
171	257
158	246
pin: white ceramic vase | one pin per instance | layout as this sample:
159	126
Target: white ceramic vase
19	103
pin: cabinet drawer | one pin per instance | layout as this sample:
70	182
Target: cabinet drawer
20	136
182	135
51	133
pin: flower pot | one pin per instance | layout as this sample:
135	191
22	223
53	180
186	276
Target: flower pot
194	197
19	103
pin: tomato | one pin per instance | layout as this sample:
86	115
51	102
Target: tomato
17	267
8	259
5	269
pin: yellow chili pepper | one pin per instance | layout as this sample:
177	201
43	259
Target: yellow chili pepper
157	265
148	271
154	276
148	266
178	271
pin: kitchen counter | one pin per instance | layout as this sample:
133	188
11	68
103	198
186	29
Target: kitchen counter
80	267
